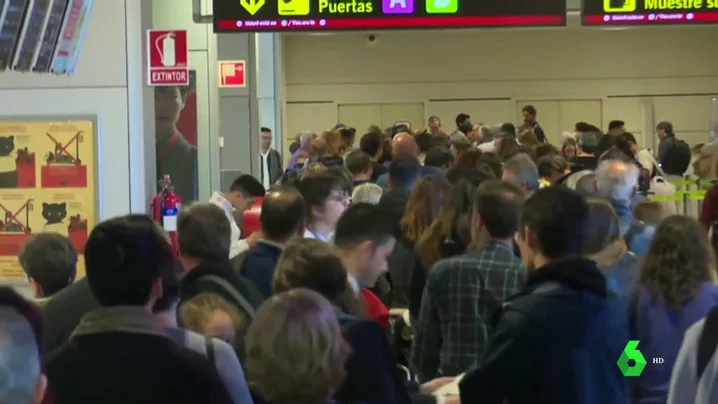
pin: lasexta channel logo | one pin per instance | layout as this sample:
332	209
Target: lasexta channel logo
631	353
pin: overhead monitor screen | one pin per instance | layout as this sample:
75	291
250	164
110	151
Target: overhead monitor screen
333	15
649	12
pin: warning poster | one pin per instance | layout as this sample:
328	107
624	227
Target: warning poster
47	184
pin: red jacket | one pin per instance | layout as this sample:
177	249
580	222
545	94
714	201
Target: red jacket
709	211
375	308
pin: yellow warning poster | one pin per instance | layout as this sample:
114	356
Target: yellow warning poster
47	184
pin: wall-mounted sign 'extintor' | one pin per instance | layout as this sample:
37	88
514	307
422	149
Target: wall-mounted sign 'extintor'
167	58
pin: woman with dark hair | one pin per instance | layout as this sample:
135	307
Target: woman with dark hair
676	288
443	238
426	201
508	147
569	149
295	350
627	144
326	196
449	235
605	142
625	149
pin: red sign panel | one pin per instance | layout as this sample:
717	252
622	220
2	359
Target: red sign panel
167	58
232	73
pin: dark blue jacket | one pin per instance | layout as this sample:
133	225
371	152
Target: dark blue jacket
372	374
557	342
260	264
383	180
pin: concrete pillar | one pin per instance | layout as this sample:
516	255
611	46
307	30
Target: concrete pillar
244	110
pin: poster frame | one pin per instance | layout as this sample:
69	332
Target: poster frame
96	166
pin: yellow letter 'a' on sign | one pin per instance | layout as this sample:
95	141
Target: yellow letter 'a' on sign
252	6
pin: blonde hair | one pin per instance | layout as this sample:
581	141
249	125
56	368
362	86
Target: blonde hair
528	138
196	312
651	212
313	170
313	264
334	142
296	339
369	193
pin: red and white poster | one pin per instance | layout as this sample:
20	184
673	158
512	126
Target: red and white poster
232	73
167	58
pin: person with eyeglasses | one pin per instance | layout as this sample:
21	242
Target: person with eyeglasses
326	197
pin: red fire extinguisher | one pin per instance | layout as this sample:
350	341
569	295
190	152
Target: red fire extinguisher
165	209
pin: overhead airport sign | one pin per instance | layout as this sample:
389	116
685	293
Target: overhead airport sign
649	12
333	15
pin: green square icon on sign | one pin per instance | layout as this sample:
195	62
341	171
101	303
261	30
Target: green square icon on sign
442	6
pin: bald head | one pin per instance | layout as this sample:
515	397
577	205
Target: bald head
617	181
404	144
283	214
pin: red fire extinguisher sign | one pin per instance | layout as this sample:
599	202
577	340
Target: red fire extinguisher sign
167	58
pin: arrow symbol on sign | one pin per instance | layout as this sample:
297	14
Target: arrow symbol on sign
252	6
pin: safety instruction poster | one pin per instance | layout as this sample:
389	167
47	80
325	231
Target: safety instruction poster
47	184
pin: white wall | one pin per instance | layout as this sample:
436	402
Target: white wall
177	14
639	75
99	88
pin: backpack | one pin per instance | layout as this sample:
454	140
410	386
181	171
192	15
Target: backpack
209	347
707	342
678	158
231	291
239	260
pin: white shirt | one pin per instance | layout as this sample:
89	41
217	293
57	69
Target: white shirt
237	246
265	170
488	147
311	234
645	159
354	283
685	387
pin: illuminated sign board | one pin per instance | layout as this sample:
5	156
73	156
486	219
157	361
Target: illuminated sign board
331	15
649	12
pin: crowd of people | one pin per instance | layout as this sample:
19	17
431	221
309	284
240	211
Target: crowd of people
482	266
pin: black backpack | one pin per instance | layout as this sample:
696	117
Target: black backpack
678	158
